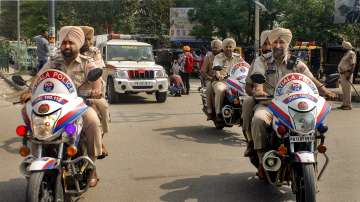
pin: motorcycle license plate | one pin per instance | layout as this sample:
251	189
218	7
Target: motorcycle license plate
306	138
142	83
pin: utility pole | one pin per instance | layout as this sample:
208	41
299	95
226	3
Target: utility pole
52	37
18	34
258	6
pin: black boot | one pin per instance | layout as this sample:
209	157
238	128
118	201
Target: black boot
249	149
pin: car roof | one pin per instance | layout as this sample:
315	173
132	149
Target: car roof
126	42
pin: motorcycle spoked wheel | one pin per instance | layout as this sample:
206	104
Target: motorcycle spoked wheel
44	186
306	183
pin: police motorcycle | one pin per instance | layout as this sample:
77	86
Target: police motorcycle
232	105
297	135
58	167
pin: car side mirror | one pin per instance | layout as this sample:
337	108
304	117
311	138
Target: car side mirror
258	78
331	78
18	80
94	74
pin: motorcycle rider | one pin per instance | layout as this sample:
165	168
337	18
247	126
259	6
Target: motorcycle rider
99	104
227	60
208	73
249	102
70	61
274	68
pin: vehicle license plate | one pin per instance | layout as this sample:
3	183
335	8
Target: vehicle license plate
306	138
142	83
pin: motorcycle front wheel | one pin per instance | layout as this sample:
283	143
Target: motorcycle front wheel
44	186
306	184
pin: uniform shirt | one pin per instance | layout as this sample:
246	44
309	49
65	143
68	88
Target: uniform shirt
228	62
347	61
77	70
273	73
95	54
206	68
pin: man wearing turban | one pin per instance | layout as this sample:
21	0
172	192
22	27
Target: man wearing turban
70	61
100	105
346	68
209	74
227	60
274	68
249	102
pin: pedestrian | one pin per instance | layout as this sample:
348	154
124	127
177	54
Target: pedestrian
42	49
346	68
187	65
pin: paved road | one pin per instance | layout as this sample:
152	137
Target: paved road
168	152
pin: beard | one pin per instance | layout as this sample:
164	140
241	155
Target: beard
68	54
278	53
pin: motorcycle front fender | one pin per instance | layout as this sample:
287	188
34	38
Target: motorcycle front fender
304	157
45	163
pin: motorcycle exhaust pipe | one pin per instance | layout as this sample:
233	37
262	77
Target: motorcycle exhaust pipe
271	161
25	165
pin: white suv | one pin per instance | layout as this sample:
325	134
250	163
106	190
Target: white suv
130	68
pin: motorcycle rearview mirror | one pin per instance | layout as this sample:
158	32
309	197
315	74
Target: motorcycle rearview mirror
217	68
94	74
331	78
18	80
258	78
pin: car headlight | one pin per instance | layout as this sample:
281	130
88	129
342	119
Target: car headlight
161	74
304	122
42	126
121	74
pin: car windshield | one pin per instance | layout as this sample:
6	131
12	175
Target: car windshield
128	52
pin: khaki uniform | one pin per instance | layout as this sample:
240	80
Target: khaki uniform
345	68
77	71
220	86
207	71
100	105
262	116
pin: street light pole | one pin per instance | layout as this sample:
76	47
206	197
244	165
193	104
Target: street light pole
258	6
18	34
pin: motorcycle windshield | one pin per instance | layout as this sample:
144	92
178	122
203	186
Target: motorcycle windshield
236	82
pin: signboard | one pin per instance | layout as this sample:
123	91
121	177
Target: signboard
180	26
347	11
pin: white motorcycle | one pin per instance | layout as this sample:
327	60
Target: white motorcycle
297	135
58	167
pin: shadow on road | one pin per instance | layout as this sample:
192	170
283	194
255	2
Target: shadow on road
204	134
132	99
13	190
128	116
8	146
224	187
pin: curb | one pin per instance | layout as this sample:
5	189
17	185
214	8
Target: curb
11	83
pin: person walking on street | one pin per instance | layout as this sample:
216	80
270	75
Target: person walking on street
346	68
187	65
42	49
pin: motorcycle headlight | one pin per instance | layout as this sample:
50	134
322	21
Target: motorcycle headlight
304	122
121	74
160	74
42	126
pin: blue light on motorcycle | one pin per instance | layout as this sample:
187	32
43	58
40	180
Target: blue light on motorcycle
70	129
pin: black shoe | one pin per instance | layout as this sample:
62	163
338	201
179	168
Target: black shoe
249	149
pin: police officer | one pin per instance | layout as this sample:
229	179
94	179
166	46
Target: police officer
227	60
70	61
274	68
99	104
249	102
346	68
209	75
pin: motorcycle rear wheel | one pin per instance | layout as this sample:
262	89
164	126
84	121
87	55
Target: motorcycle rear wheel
306	184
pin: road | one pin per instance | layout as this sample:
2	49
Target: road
169	152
